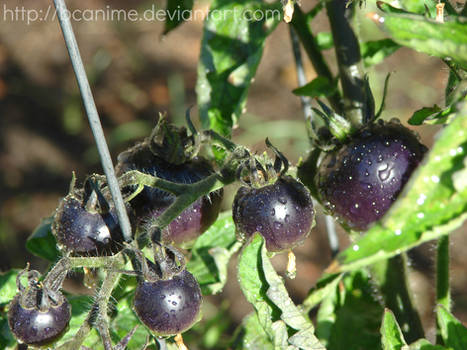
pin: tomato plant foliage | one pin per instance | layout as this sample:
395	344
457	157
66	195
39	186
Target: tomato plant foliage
362	300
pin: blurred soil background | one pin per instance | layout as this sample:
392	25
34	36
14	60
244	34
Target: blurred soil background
135	73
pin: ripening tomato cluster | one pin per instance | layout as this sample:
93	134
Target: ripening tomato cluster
356	180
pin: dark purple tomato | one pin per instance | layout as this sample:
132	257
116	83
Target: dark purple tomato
151	202
83	232
359	181
35	327
282	213
169	307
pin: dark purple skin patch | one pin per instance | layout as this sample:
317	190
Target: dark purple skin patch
169	307
81	232
33	327
191	222
359	181
282	213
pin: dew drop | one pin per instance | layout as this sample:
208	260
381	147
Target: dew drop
278	225
420	215
398	232
384	172
435	179
355	247
421	199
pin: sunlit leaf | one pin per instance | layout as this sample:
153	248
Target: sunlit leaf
324	286
424	344
392	337
374	52
448	39
265	290
324	40
231	49
211	254
251	335
452	331
8	286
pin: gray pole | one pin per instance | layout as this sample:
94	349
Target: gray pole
93	116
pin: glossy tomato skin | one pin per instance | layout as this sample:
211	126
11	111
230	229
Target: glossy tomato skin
81	232
169	307
152	202
281	212
359	181
34	327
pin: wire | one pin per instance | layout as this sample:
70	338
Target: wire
93	116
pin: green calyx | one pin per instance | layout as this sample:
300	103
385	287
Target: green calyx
332	128
172	143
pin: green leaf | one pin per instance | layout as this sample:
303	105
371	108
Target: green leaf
324	40
6	337
433	115
211	254
80	306
350	316
231	49
265	290
419	116
374	52
386	8
210	331
424	344
251	335
42	242
124	322
443	40
324	286
8	286
392	337
429	206
176	12
452	331
318	87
